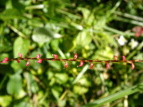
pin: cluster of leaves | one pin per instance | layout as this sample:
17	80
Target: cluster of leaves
90	28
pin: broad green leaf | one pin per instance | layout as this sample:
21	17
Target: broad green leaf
61	77
18	5
87	15
56	91
21	46
5	48
84	82
14	84
55	44
101	23
83	38
42	35
80	89
108	38
102	54
18	66
115	96
69	44
23	104
55	64
10	14
5	100
85	12
37	22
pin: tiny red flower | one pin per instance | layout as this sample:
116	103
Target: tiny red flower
115	58
27	63
20	55
66	65
38	56
18	61
137	34
91	65
39	61
107	65
55	56
81	64
75	56
123	58
5	60
133	66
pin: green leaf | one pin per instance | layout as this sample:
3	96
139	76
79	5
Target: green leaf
55	64
5	48
5	100
10	14
31	82
55	44
61	77
14	84
69	44
85	12
56	91
115	96
83	38
104	54
88	15
21	46
18	66
80	89
42	35
23	104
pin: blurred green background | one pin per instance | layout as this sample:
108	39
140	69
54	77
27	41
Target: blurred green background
95	29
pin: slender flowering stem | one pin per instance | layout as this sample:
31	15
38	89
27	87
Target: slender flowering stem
81	61
77	60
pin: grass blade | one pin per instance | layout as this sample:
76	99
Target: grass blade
115	96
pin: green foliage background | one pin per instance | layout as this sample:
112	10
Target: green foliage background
90	28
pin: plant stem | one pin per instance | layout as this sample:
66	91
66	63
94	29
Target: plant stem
77	60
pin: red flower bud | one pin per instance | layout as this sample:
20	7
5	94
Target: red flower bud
65	65
115	58
81	64
18	61
75	56
133	66
137	34
123	58
107	65
38	56
20	55
55	56
39	61
27	63
5	60
91	65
